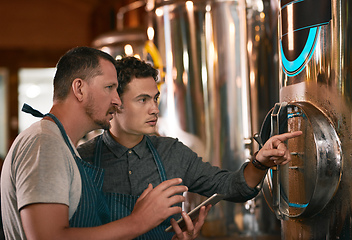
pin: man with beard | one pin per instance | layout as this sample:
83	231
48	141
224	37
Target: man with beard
132	158
47	191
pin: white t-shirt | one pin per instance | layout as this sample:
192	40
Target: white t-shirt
39	168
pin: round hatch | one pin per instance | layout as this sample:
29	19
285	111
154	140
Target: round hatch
305	185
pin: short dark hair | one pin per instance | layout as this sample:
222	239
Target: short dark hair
131	67
79	62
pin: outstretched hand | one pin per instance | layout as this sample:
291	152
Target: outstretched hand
192	228
274	152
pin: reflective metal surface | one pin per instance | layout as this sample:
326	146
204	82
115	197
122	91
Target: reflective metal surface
127	42
315	78
305	186
212	90
205	100
320	162
278	111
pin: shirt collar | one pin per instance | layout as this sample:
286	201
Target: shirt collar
119	150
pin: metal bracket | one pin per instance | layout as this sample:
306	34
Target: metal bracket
275	130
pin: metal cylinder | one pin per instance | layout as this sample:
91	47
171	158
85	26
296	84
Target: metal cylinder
315	77
210	90
127	42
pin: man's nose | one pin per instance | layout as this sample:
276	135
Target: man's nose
155	108
117	100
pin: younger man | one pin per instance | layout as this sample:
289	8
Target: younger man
132	159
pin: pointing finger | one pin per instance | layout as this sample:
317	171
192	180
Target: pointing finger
283	137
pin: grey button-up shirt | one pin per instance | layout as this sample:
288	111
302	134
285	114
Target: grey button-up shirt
129	171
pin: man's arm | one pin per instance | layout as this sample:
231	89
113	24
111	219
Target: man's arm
274	152
50	221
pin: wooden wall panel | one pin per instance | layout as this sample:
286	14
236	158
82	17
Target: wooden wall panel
43	24
35	33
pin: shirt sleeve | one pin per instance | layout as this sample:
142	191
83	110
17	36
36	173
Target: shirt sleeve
43	172
205	179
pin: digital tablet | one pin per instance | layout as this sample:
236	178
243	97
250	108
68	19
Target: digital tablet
194	213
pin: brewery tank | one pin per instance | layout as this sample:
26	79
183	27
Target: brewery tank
220	71
312	194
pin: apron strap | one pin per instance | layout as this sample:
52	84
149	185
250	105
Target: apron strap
157	160
28	109
92	209
97	152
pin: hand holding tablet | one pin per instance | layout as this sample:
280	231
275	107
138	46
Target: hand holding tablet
194	213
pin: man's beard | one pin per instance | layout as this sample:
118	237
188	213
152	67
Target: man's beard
102	124
90	112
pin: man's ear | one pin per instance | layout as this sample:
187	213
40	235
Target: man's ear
78	88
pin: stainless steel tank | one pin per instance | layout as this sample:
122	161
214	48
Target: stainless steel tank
312	195
126	42
213	72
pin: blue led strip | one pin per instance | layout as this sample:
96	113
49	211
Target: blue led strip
293	2
296	205
296	114
292	68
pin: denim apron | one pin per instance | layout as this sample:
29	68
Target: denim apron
121	205
92	209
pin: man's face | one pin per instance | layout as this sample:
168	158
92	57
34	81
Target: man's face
102	96
138	114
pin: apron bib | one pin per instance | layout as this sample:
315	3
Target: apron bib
92	209
121	205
